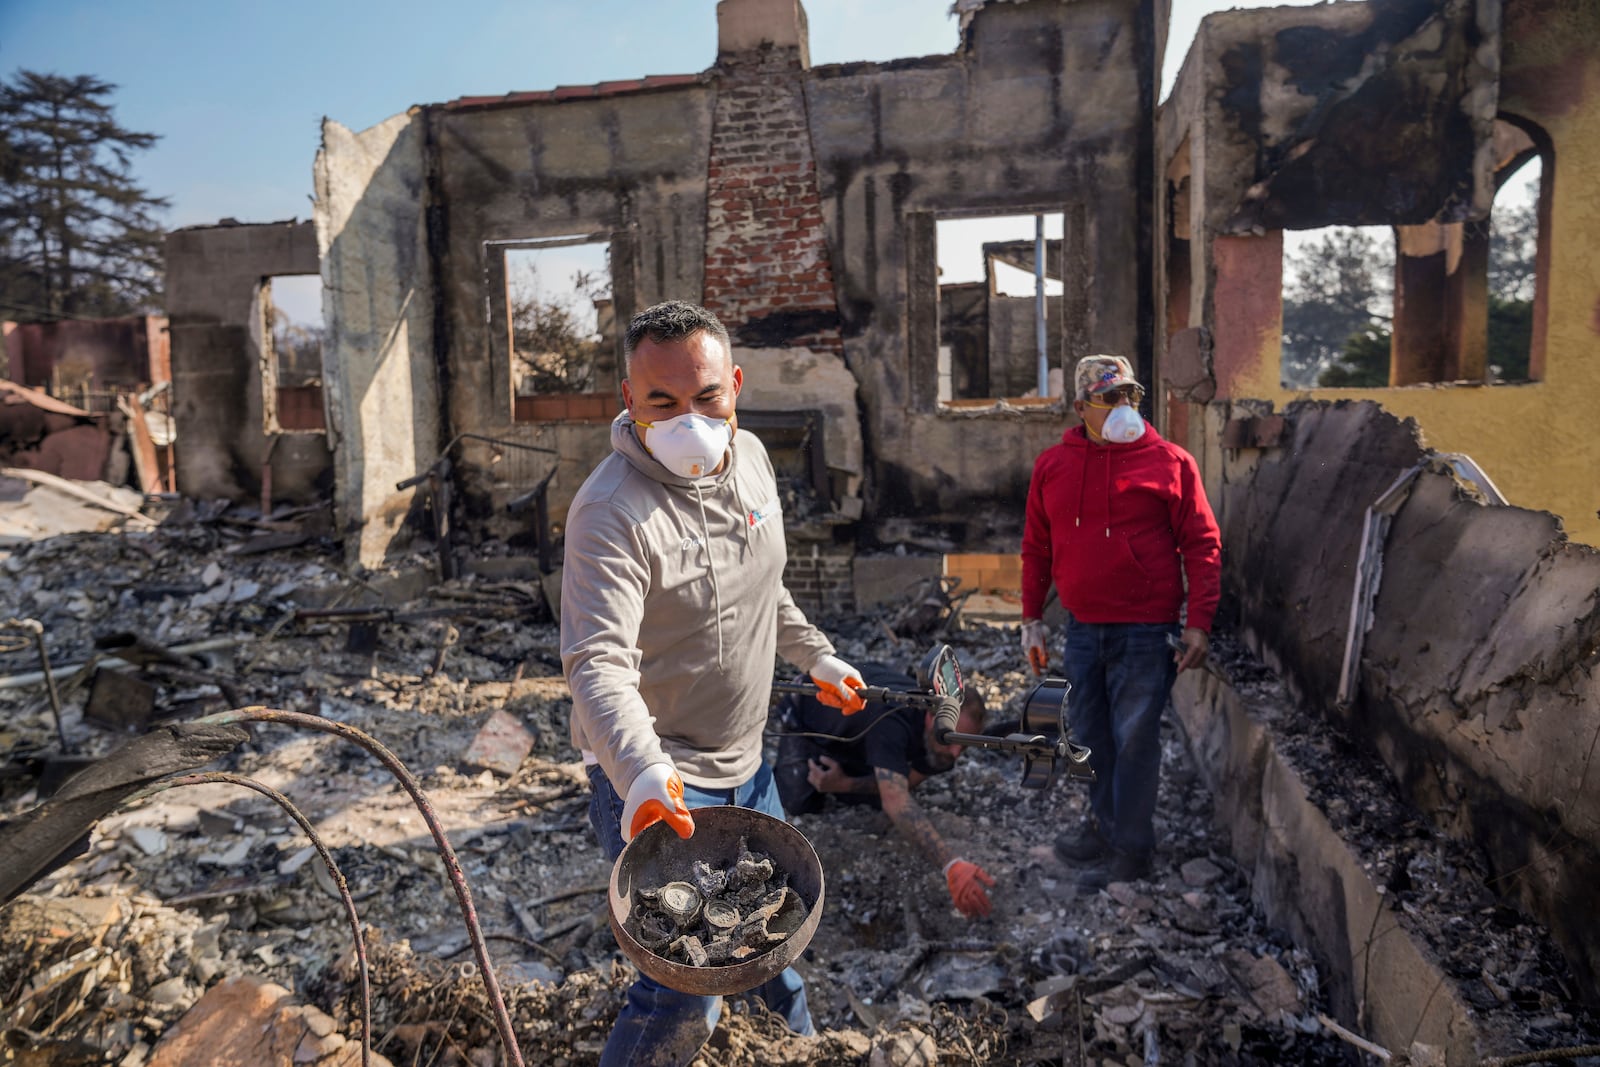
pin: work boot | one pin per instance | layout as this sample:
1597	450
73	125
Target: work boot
1082	847
1120	867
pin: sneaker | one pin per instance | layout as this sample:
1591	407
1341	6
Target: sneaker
1081	847
1122	867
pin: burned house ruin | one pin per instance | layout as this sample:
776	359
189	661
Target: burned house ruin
1412	564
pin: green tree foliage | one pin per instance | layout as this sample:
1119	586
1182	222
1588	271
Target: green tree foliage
1341	288
1513	248
1513	242
78	237
1510	338
1341	283
1363	363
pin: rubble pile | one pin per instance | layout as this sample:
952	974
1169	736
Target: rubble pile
106	955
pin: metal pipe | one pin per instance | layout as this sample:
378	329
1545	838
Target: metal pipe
213	644
1040	333
35	629
469	914
328	861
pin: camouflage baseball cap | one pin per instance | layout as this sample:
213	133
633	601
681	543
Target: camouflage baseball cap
1096	374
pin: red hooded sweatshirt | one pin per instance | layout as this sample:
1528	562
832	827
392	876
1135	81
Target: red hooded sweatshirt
1118	527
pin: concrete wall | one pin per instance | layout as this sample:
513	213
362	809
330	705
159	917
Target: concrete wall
1476	686
1044	108
1040	110
382	379
629	166
213	286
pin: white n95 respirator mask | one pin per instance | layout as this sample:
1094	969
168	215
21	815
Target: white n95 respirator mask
1123	425
690	446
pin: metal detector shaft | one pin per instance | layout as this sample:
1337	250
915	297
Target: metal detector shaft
866	692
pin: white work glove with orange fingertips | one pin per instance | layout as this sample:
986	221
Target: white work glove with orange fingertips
656	796
1034	635
966	882
837	683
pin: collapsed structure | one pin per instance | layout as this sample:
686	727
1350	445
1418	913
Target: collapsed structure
1368	562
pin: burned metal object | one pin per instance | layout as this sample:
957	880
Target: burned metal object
726	915
35	629
722	911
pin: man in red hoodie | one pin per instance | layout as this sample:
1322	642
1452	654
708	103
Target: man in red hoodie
1118	519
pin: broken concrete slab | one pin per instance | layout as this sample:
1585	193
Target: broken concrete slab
1310	858
245	1022
500	745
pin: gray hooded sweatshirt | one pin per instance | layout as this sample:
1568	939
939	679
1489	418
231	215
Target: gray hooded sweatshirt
672	608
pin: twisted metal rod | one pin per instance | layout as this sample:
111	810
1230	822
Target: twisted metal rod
259	713
36	629
205	777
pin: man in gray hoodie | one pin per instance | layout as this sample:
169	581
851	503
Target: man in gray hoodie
672	611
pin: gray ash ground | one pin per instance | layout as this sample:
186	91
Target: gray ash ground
212	881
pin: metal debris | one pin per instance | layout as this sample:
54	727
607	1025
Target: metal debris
727	915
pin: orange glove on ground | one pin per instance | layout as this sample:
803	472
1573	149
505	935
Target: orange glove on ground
963	878
656	796
837	683
1034	636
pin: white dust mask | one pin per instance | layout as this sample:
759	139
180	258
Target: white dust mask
1123	425
691	445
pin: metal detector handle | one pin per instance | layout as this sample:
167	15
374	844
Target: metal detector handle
868	692
945	718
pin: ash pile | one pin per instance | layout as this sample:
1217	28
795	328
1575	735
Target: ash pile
203	913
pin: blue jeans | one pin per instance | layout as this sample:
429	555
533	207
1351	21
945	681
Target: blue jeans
1121	675
661	1026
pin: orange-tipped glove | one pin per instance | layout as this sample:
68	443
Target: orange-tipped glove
837	683
963	878
1034	635
656	796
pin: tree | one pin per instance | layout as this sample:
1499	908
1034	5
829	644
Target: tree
298	349
1513	242
78	238
1513	247
1336	333
1364	363
1341	288
553	349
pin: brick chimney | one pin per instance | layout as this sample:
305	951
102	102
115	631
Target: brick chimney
767	271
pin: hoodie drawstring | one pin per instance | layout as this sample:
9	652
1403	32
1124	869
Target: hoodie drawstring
1083	483
711	566
1108	494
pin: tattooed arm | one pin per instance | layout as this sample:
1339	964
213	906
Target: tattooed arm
895	792
826	776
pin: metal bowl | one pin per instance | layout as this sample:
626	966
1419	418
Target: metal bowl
658	856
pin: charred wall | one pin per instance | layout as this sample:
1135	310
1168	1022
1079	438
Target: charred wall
1040	110
213	285
1478	681
627	166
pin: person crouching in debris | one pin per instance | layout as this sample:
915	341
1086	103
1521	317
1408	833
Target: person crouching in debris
1117	517
878	757
672	608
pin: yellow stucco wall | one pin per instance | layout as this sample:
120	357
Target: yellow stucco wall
1539	442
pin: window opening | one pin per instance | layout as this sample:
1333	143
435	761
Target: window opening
561	325
291	363
991	308
1338	304
1513	271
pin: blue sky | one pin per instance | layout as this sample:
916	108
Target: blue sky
237	91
